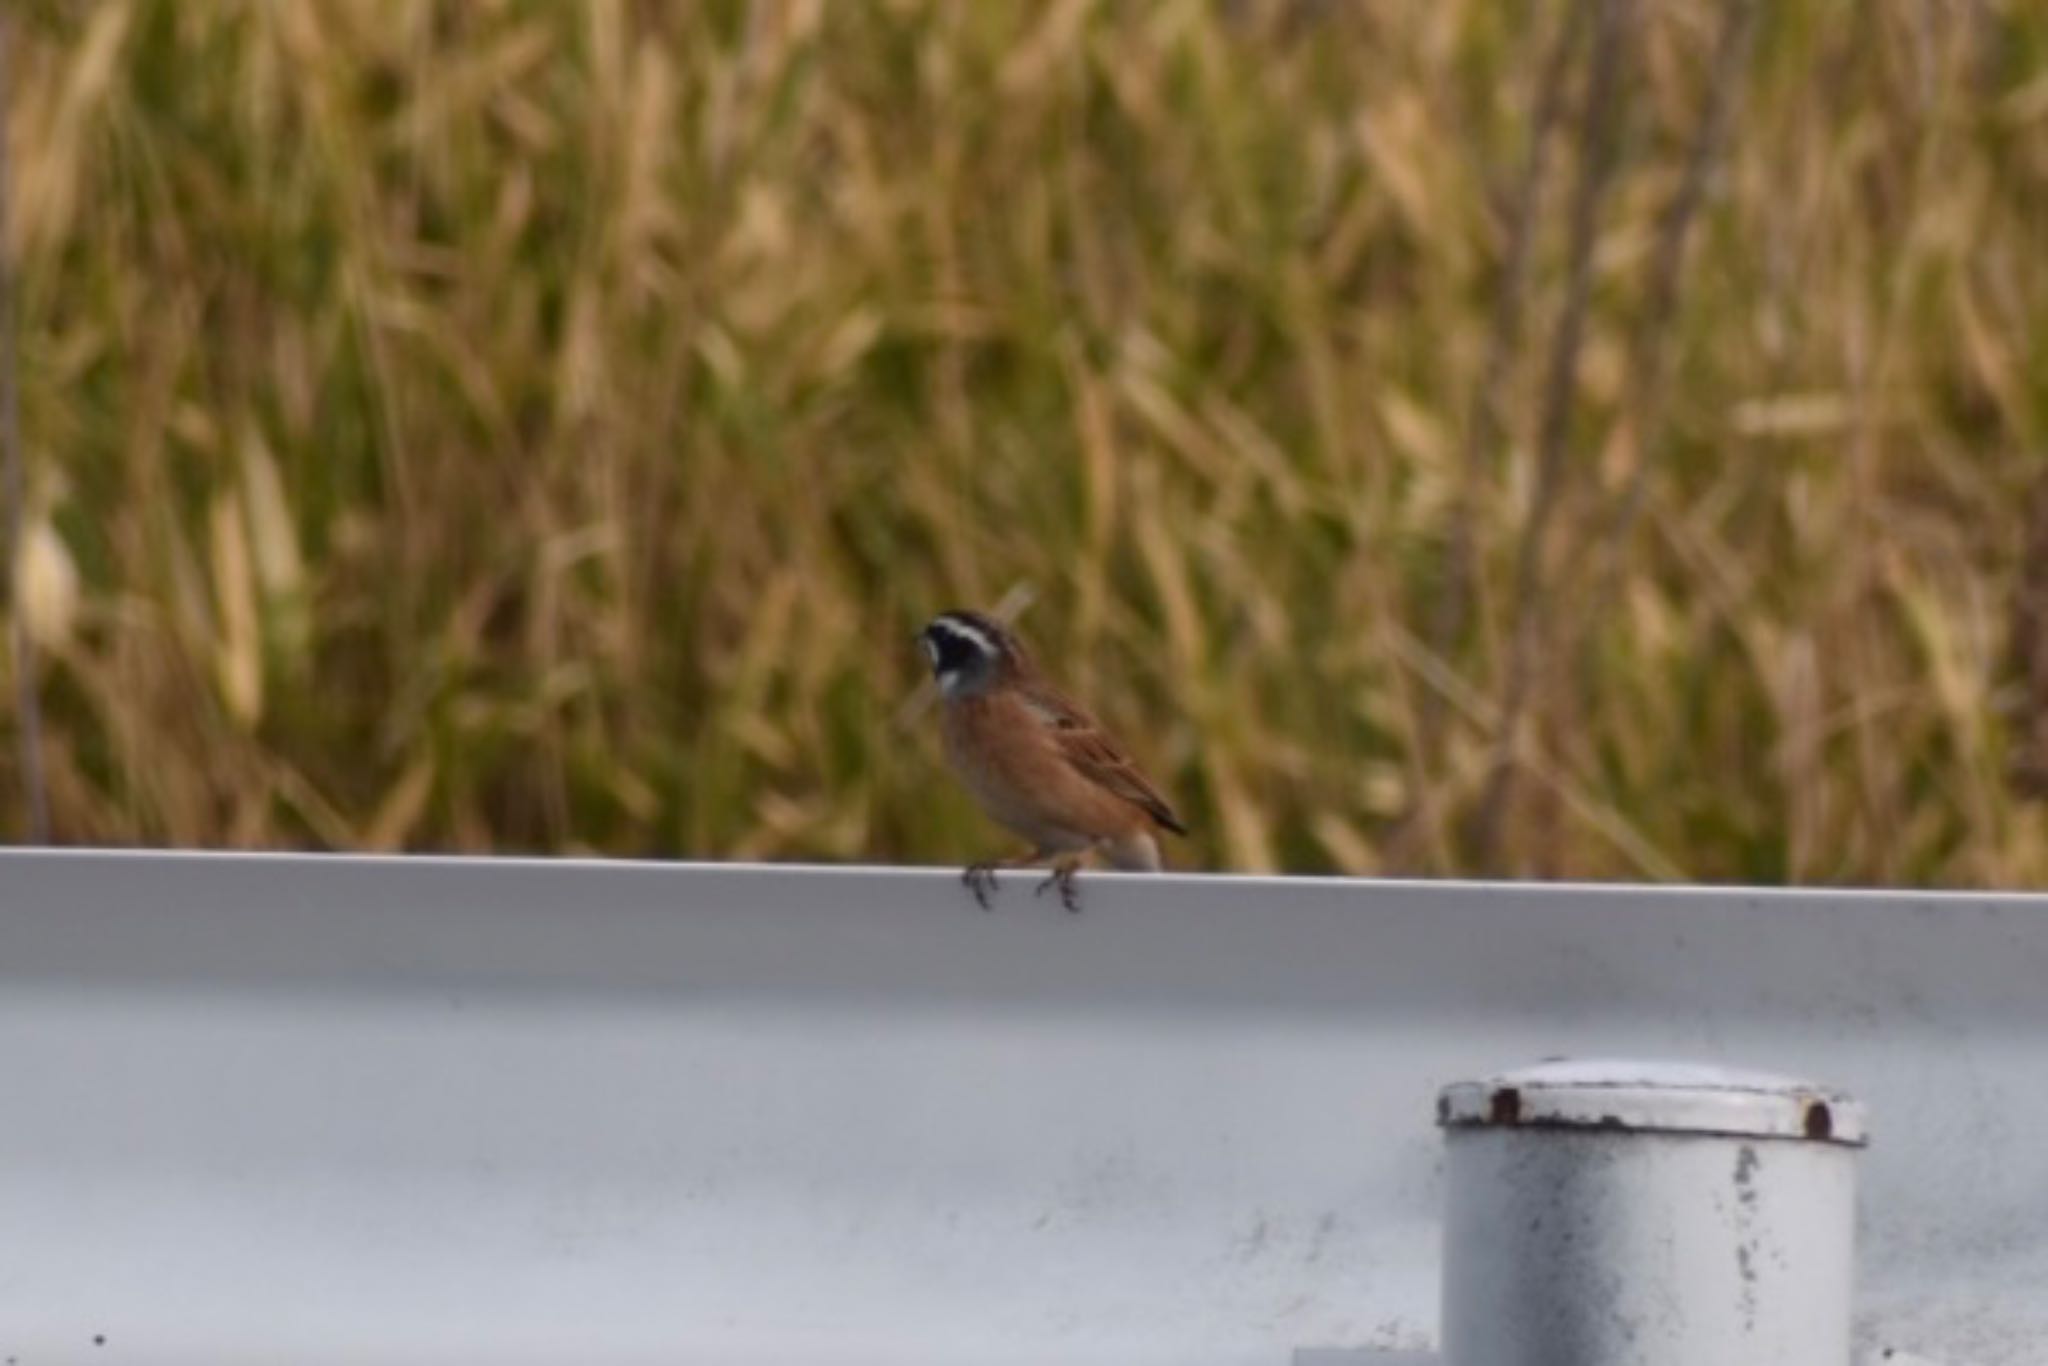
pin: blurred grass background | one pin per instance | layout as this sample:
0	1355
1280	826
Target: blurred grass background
1588	438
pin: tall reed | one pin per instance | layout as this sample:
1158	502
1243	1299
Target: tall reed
1581	439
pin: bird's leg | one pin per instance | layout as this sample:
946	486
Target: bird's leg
1062	877
981	881
980	878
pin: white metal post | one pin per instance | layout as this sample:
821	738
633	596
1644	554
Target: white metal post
1647	1214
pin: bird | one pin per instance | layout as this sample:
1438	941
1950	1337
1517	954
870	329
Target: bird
1036	762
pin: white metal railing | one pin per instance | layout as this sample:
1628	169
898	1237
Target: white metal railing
334	1109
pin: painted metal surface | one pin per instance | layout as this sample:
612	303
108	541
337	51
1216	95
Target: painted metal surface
256	1109
1655	1094
1611	1213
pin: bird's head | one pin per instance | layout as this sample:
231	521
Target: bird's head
970	652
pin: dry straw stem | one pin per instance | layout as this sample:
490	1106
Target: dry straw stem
1599	137
1448	618
512	427
1649	360
28	723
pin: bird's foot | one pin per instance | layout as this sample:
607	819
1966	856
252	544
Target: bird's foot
980	879
1062	878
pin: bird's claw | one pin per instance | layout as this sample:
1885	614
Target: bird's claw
980	879
1063	879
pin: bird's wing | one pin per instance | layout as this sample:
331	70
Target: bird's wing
1095	755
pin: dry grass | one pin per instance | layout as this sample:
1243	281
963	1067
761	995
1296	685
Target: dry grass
512	426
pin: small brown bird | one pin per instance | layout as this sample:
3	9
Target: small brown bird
1036	762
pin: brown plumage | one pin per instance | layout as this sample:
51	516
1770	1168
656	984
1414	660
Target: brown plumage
1036	761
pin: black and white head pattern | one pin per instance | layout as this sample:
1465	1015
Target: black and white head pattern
965	649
